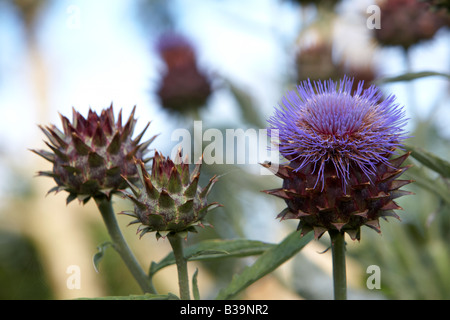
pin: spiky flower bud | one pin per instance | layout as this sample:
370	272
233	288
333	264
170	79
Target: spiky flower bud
170	199
341	174
91	154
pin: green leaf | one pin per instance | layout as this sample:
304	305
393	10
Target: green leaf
195	290
266	263
430	160
99	255
147	296
215	249
434	186
412	76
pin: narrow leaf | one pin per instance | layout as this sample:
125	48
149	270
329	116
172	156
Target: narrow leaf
412	76
215	249
430	160
147	296
266	263
99	255
434	186
195	291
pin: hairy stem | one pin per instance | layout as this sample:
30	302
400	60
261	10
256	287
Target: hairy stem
107	211
181	262
339	269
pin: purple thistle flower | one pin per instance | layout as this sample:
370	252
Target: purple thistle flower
339	144
325	123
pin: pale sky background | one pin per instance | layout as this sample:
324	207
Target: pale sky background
98	52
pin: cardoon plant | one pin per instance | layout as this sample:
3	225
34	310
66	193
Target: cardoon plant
342	171
91	154
90	158
170	202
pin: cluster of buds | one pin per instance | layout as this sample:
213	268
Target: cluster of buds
96	157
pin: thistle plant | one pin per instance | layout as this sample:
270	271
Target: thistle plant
170	202
91	154
90	157
342	170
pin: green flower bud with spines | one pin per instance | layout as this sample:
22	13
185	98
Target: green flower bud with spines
169	200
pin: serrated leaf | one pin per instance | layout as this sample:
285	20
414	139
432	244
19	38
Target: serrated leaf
99	255
195	291
266	263
430	160
215	249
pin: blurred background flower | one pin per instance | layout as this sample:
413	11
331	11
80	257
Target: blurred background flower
183	89
408	22
55	55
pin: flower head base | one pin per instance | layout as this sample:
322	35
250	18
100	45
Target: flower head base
341	175
169	199
92	154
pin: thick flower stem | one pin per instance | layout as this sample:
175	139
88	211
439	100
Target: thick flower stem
107	211
339	269
181	262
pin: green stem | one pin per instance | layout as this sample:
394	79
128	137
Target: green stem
339	270
107	211
181	262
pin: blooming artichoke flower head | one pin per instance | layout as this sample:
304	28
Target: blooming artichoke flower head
339	144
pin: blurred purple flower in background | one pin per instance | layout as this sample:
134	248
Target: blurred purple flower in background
183	87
